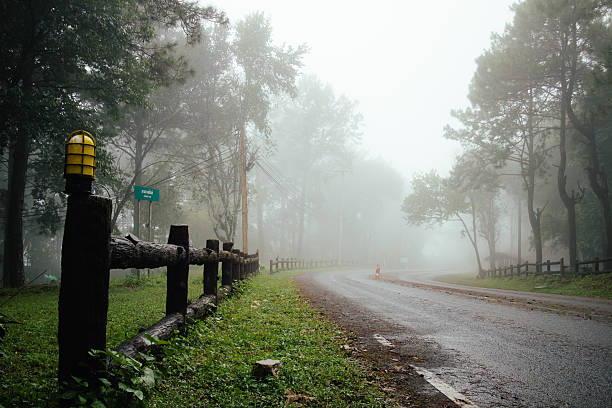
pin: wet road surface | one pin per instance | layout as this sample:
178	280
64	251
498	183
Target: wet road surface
498	354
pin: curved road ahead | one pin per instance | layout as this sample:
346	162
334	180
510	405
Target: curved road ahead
491	345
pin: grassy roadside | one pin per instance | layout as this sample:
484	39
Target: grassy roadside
269	320
598	286
28	364
211	364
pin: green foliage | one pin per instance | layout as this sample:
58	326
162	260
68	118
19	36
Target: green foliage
124	384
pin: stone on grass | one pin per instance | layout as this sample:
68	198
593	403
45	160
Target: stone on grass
264	368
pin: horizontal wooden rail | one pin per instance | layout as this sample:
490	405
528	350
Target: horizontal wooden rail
130	252
281	264
89	252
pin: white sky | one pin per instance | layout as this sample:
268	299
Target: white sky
407	63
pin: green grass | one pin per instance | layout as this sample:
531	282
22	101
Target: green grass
211	365
269	320
598	286
29	369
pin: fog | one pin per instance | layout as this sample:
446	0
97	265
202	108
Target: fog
390	133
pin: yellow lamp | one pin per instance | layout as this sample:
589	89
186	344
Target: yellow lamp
80	166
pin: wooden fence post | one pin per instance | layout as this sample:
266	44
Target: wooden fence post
236	265
178	274
83	297
211	269
577	267
596	267
242	265
227	266
561	266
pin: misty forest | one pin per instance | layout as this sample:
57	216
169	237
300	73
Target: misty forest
194	214
168	88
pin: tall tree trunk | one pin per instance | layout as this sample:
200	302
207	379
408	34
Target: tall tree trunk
490	233
138	158
568	201
13	232
534	221
534	213
473	242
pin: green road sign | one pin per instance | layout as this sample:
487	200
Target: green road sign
146	193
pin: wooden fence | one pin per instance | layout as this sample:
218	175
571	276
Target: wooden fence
89	252
286	264
595	266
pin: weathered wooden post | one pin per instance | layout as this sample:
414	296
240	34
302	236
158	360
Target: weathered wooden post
236	265
178	274
561	267
242	266
271	266
596	266
577	268
83	298
211	268
227	266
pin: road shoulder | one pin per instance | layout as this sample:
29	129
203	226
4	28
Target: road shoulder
393	364
591	309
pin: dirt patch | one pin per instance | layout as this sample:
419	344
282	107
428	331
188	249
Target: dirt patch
391	364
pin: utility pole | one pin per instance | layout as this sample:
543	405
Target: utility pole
243	188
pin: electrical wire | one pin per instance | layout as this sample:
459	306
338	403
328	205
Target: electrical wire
177	173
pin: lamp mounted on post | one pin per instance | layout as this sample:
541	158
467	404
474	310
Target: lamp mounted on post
80	166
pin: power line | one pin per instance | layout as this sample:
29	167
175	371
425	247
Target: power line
177	173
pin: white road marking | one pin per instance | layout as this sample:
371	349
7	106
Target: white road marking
445	389
382	340
454	395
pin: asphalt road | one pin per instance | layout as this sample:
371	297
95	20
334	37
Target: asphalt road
497	352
